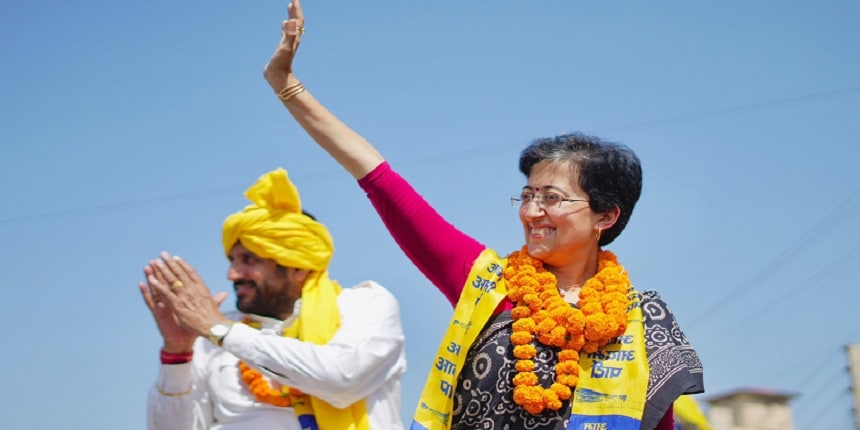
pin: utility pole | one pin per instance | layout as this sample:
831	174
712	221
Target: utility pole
854	368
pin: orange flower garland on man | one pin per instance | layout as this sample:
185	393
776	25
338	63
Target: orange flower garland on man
300	353
551	336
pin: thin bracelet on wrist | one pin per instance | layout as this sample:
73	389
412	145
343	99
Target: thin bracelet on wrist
291	91
166	394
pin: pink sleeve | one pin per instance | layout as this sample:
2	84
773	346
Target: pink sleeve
668	421
439	250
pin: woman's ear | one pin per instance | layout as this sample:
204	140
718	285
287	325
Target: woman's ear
607	219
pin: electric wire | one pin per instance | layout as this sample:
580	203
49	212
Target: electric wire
828	382
815	419
825	357
849	206
423	161
785	297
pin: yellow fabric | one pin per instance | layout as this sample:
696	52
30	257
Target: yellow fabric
274	227
483	292
623	398
613	382
688	414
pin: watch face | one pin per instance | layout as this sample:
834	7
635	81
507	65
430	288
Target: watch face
220	329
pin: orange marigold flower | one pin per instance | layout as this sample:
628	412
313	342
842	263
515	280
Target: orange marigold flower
600	327
546	325
547	296
521	338
575	325
524	351
558	312
567	367
569	380
589	308
542	315
530	398
524	324
525	365
621	320
559	332
526	378
550	399
589	295
562	391
615	298
520	312
568	355
576	342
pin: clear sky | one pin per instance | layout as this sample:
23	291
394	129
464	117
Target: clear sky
128	128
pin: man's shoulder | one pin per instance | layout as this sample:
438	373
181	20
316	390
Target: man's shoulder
367	286
368	289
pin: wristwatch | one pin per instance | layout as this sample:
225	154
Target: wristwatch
219	331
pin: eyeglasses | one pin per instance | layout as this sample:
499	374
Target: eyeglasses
546	200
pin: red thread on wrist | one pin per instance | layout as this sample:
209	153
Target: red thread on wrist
176	358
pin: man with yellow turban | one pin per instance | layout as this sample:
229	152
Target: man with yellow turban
300	353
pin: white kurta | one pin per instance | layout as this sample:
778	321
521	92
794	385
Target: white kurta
364	360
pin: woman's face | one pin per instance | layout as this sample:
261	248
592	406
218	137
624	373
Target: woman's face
562	232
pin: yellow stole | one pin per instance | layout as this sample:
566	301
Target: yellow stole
317	322
612	383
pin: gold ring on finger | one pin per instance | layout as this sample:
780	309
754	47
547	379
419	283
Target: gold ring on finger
301	30
177	284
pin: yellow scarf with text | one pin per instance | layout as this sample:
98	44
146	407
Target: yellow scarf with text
610	394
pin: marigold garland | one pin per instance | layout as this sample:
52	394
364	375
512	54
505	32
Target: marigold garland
541	314
261	389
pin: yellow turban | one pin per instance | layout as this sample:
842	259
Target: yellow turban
274	226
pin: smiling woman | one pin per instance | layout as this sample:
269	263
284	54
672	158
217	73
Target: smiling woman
551	336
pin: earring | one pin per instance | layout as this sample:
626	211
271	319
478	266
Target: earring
599	230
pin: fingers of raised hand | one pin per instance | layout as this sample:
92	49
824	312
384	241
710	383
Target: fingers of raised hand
189	270
147	296
173	274
295	25
295	10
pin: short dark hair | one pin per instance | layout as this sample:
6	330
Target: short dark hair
610	173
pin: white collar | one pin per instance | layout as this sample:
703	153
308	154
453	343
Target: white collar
275	324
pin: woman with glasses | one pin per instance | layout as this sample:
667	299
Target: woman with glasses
549	336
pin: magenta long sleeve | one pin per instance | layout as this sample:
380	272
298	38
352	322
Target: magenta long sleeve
441	252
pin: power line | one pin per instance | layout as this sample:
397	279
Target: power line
445	156
825	358
129	204
768	104
848	206
785	294
816	419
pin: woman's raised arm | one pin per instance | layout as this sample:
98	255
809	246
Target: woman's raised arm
346	146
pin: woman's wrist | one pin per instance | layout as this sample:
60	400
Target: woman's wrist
280	80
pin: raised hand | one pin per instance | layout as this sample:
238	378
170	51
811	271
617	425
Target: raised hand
186	309
280	66
177	338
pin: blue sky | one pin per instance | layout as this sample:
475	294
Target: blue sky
128	128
